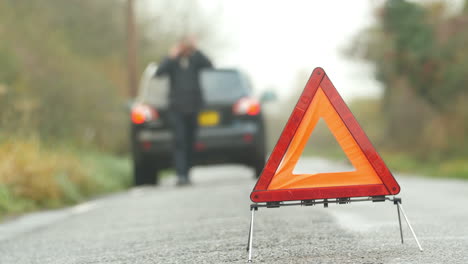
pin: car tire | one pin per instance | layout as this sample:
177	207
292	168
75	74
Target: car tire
258	163
258	169
145	172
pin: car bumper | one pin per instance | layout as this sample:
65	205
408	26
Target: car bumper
208	139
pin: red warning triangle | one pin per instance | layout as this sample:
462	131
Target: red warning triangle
320	99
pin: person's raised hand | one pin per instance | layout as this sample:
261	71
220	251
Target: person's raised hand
175	51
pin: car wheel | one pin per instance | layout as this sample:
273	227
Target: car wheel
258	164
258	169
258	161
145	172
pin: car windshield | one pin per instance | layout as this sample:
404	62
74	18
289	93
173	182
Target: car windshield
219	86
154	91
223	86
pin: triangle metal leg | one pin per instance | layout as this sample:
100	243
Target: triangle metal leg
400	208
248	238
396	201
399	223
250	241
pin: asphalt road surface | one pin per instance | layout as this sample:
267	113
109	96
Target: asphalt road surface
208	223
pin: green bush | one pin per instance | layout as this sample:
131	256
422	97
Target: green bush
419	52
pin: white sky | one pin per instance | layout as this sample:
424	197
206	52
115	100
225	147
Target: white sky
274	40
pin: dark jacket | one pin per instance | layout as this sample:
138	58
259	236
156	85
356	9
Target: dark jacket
185	94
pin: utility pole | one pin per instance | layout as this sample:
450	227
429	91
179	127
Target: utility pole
132	47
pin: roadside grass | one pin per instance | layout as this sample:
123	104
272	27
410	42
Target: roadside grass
450	168
404	163
34	177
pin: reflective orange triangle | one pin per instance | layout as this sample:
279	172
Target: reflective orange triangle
320	99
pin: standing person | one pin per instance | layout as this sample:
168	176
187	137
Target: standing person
183	67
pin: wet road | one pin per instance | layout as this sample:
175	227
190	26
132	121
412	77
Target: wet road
208	223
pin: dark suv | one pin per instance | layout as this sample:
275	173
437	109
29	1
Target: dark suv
231	126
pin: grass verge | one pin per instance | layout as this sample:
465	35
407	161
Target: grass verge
450	168
34	177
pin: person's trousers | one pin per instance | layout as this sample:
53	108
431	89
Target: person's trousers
184	130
